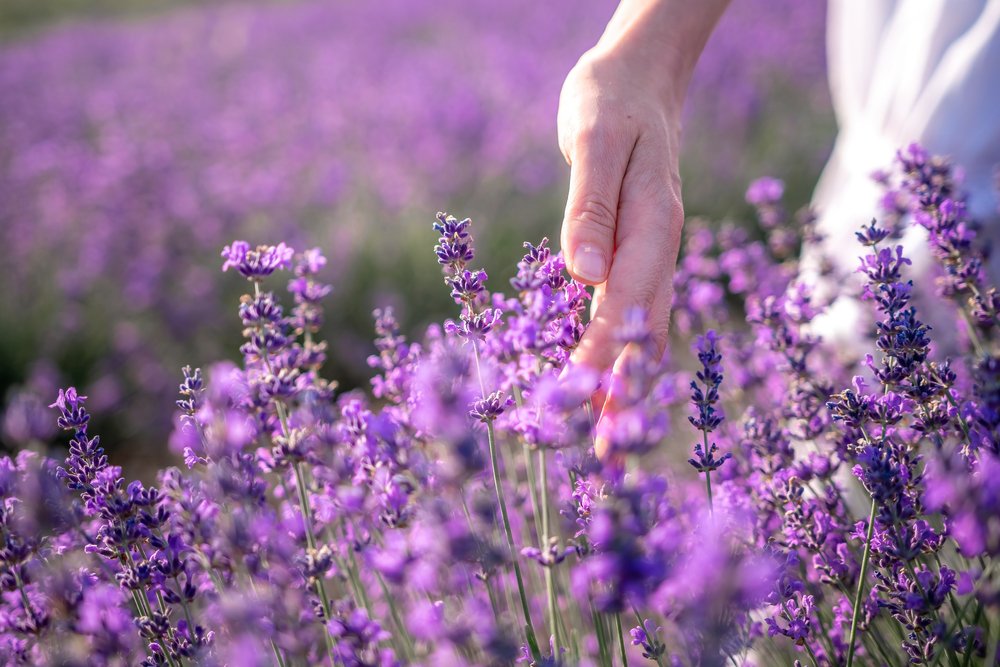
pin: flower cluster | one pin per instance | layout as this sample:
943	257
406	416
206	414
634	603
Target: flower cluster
483	506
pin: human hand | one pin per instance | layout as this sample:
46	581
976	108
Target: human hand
621	232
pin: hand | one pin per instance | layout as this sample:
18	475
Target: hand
622	228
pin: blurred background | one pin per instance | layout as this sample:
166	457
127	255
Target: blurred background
137	137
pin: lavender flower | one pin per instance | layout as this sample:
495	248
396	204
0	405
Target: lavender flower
709	417
256	263
647	636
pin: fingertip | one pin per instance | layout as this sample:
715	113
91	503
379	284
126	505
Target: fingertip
589	263
579	380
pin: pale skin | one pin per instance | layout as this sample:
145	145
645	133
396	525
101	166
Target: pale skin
619	130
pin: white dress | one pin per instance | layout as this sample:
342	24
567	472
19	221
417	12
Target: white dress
904	71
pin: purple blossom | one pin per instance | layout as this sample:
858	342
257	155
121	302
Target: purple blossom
709	417
647	637
489	408
256	263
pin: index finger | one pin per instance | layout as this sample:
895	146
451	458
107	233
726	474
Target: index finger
648	240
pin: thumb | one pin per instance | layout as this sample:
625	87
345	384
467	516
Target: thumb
597	169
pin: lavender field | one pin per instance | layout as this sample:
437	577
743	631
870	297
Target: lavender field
131	150
264	407
455	513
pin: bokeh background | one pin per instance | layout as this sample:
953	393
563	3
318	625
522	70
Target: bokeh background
137	137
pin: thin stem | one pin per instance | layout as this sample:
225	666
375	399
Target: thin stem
708	477
708	488
974	338
968	647
923	593
529	467
642	625
300	485
994	634
621	640
486	575
962	423
351	565
553	603
589	405
882	649
856	613
274	646
508	533
602	645
407	645
809	649
28	609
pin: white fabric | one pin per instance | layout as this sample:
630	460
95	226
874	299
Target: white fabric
904	71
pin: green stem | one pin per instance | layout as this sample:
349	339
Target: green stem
300	485
991	653
493	599
923	593
529	467
28	609
642	625
407	645
486	575
708	477
809	649
274	647
351	566
968	647
143	602
602	645
553	603
856	613
621	640
509	534
708	487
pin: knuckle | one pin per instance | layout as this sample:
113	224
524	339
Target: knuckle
638	295
596	215
675	206
644	295
660	338
674	226
659	321
676	183
606	132
589	134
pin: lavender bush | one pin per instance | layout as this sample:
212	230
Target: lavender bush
131	151
456	514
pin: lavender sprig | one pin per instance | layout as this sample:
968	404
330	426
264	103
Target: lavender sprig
708	417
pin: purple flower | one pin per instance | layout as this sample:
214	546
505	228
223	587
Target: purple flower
487	409
765	191
256	263
454	248
705	400
647	636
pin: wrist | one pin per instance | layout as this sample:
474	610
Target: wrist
657	43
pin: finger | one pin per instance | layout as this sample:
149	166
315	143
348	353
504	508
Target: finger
597	168
658	321
648	238
622	390
601	392
596	300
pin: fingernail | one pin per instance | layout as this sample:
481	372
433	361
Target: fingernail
590	263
